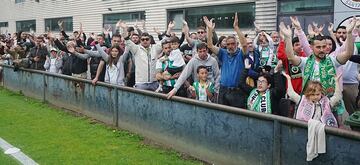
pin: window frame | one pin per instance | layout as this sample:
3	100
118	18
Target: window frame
6	24
19	1
303	12
184	11
141	15
22	21
57	19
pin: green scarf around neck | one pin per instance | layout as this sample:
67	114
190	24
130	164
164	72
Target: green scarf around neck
327	74
259	103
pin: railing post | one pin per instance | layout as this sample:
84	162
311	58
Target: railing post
115	107
45	87
277	142
1	76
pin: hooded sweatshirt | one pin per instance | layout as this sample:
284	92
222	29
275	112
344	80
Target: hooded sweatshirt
190	70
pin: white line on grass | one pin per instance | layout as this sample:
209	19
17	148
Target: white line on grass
16	153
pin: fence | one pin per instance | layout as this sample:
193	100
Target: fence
211	132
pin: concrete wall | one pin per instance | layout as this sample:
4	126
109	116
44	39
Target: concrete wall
211	132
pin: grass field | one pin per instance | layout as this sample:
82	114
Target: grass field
7	160
51	136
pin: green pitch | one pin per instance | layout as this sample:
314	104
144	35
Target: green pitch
52	136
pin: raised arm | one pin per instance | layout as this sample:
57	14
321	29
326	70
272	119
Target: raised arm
331	31
102	53
279	84
241	35
334	100
271	42
286	32
243	85
83	56
290	90
210	27
186	30
132	47
349	44
301	35
171	25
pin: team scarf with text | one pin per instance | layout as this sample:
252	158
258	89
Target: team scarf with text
259	103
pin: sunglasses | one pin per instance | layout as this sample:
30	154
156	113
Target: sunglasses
200	32
145	39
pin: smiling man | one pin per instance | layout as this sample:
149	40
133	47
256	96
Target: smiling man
319	66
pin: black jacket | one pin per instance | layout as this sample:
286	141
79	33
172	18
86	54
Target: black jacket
73	64
38	52
277	89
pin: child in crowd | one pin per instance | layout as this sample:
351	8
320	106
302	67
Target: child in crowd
265	97
115	67
203	89
176	62
175	59
313	104
265	45
53	63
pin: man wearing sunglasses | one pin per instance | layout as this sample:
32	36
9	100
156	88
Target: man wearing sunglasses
145	56
200	37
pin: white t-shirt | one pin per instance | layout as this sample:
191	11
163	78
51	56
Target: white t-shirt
113	74
52	68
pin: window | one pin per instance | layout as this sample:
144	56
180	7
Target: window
305	6
28	25
19	1
307	11
223	15
52	24
112	19
4	24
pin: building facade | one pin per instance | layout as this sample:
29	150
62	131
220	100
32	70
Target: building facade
40	15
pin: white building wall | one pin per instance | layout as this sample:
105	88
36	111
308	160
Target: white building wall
90	12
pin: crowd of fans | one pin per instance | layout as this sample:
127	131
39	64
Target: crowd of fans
301	76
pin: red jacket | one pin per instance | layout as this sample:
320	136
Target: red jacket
281	55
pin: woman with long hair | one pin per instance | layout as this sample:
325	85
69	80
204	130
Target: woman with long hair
115	67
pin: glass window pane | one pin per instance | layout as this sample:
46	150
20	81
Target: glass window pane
19	1
4	24
223	15
112	19
176	16
28	26
52	24
305	5
321	19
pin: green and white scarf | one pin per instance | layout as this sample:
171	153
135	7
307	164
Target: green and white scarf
327	74
259	103
268	57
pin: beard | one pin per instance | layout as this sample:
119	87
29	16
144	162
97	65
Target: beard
321	55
